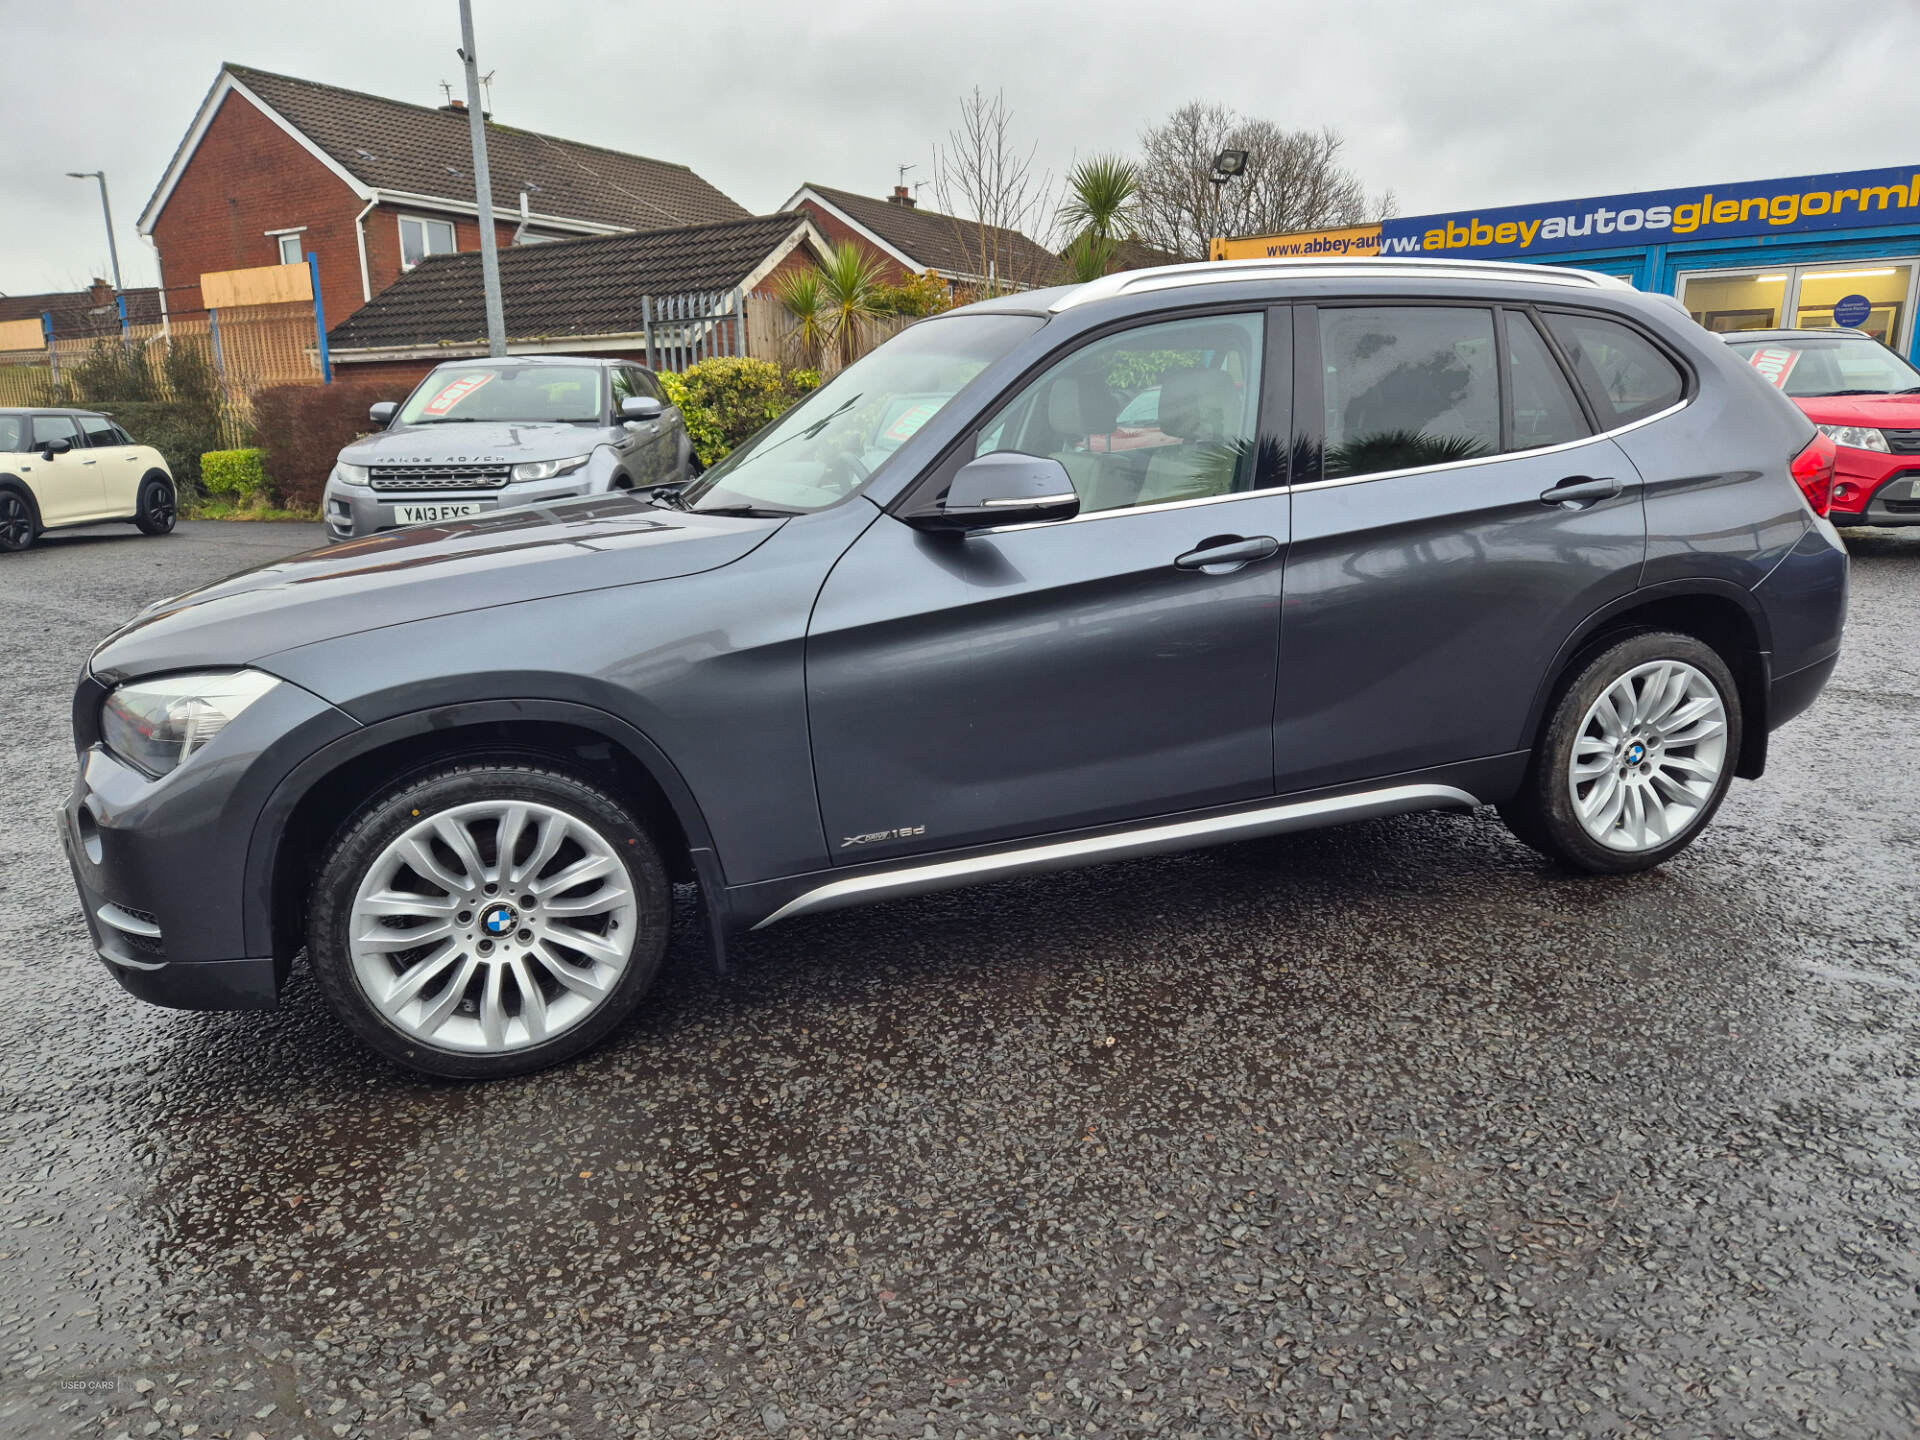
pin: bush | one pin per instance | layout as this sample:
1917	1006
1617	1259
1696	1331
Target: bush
239	473
303	428
726	401
925	294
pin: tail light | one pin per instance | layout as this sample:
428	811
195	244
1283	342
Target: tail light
1813	472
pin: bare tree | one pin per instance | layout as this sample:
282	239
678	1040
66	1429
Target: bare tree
985	181
1293	180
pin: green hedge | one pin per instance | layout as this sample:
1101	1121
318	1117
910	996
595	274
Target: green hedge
726	401
239	473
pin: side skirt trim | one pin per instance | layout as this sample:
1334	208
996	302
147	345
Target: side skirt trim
1124	844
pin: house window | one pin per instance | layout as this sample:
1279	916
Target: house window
421	238
290	249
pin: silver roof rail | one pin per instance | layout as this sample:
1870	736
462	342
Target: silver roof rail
1166	277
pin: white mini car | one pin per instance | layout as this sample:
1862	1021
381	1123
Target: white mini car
76	467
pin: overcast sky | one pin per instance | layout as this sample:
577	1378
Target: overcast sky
1450	105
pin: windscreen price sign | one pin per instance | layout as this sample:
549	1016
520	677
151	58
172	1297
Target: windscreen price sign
1775	363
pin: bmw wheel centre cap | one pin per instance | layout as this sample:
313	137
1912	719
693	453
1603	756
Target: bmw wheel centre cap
499	920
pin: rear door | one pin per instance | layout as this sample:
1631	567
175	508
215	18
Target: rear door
1467	516
118	464
1045	677
66	488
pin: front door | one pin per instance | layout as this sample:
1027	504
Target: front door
66	488
1046	677
1467	519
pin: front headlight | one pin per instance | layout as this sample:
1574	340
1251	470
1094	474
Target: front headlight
156	724
547	469
350	474
1858	437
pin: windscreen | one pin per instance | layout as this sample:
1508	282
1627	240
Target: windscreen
823	449
1819	365
492	391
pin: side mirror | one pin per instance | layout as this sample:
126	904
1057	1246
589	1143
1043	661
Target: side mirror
59	445
383	413
1005	488
641	408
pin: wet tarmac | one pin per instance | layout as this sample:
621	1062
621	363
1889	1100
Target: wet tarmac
1391	1130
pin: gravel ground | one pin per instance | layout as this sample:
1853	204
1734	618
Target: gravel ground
1391	1130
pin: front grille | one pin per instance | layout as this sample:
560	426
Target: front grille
440	477
1903	442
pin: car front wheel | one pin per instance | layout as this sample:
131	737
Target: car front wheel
1635	758
488	920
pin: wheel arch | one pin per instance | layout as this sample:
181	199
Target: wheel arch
1716	612
10	481
307	808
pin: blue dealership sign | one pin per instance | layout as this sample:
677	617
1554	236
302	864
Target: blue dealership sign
1851	310
1809	203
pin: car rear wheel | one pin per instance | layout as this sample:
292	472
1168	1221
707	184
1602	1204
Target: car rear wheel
18	528
1635	758
488	920
158	510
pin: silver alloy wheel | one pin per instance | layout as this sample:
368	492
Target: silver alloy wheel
493	926
1648	755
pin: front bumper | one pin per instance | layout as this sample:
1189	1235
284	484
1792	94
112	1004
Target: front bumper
1874	489
355	510
160	864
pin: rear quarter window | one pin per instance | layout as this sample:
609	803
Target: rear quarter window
1626	376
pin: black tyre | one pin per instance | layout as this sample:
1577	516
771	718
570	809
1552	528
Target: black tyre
1635	757
19	525
159	509
488	919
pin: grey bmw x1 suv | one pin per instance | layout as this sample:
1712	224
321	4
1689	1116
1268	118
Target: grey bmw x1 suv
1372	538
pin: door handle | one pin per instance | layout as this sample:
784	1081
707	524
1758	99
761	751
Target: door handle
90	462
1578	491
1224	554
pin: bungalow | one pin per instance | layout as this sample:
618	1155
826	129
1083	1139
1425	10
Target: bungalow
658	296
910	240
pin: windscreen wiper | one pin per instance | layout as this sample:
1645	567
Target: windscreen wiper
751	511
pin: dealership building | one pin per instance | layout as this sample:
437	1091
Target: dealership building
1809	252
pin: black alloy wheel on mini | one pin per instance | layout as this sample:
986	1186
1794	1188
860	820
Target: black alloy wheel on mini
17	528
159	510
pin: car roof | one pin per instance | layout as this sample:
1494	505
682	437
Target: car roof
51	410
1735	337
600	360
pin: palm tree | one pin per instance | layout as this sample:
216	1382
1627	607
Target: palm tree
850	284
1103	196
804	296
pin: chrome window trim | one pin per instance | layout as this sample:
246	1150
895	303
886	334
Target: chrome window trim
1148	839
1492	459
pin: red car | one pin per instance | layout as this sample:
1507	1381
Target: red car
1866	399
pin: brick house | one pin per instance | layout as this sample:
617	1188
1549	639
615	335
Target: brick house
910	240
596	296
274	167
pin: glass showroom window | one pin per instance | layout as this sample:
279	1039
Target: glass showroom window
421	238
1876	296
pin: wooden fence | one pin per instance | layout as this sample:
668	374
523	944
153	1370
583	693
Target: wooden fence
773	333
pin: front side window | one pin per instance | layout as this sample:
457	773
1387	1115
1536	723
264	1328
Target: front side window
1625	375
1545	411
290	250
502	390
1161	413
421	238
623	387
13	434
1806	366
100	431
826	447
54	427
1407	386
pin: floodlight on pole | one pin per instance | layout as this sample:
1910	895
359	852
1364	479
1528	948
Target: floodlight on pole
113	251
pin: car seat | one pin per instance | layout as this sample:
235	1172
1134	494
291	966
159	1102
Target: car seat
1079	409
1201	409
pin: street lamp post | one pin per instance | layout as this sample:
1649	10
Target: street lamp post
482	188
113	251
1226	165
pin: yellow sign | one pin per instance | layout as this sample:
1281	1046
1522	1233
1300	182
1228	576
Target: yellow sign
1354	242
262	285
22	335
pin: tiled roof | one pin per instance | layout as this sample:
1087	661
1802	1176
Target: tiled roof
391	145
944	242
591	286
83	313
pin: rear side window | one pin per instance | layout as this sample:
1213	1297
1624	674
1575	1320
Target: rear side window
1407	386
99	430
1545	411
1625	375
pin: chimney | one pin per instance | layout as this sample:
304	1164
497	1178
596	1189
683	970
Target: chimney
901	196
455	107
